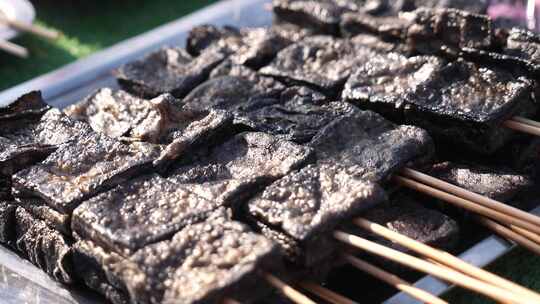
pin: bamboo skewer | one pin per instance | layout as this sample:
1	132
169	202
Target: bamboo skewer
525	233
527	121
444	258
522	127
229	301
466	204
29	28
511	235
442	273
291	293
469	195
394	281
325	293
13	49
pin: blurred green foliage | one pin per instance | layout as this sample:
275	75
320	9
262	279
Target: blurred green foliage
87	26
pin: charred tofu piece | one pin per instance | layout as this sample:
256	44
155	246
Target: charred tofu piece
40	210
322	16
262	83
93	266
30	105
7	222
202	263
161	120
169	70
230	92
499	184
301	210
297	115
44	247
117	113
321	62
291	31
205	36
427	31
520	47
383	82
368	147
138	213
29	134
472	6
459	103
404	215
232	172
467	104
252	47
392	28
447	31
76	172
355	153
523	44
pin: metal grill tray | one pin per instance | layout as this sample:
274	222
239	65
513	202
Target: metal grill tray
20	281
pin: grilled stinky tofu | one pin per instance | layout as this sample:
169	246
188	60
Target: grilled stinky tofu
448	31
295	113
27	106
78	171
404	215
232	172
322	16
461	102
168	70
28	135
321	62
427	31
139	212
94	267
252	47
262	83
202	263
355	153
44	247
161	120
499	184
153	208
230	92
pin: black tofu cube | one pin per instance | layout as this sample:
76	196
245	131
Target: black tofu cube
202	263
44	247
252	47
162	121
301	210
461	103
169	70
239	168
78	171
321	62
138	213
497	183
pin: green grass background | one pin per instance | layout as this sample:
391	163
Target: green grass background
88	26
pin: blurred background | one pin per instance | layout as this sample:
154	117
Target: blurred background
85	27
